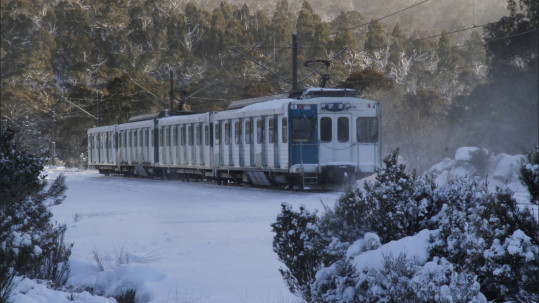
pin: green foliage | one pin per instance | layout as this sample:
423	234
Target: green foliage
30	244
375	37
481	243
68	50
127	297
369	79
529	175
294	235
491	235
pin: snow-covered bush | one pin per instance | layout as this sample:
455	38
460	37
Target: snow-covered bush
454	242
529	175
489	234
294	243
30	244
402	203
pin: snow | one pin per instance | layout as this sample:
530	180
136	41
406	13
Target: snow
415	247
502	171
465	153
176	241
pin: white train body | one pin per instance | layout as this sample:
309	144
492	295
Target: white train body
324	136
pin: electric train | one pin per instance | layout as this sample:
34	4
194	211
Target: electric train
315	138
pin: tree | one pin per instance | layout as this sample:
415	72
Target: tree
368	79
30	244
294	233
343	37
312	32
444	51
375	37
396	50
529	175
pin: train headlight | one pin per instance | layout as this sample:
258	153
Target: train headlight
336	107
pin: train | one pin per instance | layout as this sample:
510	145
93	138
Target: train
318	137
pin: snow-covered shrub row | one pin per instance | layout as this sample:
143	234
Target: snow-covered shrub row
529	175
30	244
409	239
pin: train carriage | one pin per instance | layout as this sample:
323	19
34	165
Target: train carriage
184	144
102	143
318	137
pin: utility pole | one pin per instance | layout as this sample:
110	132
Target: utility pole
294	62
99	110
53	136
171	94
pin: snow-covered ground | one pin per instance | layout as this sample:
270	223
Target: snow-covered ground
183	242
193	242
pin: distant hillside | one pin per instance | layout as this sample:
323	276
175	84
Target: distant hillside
432	16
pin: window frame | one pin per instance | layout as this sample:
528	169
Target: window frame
326	130
343	133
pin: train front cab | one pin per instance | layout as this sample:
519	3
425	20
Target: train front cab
333	141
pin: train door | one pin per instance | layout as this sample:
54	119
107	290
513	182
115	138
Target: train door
336	144
368	141
249	143
204	149
198	133
303	134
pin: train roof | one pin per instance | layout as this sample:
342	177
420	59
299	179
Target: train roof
245	102
330	92
315	92
161	115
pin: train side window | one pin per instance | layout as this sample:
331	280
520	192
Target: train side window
217	133
271	130
248	132
259	131
367	129
190	134
135	139
199	135
343	129
206	135
237	132
227	133
182	135
302	129
174	135
325	129
161	136
285	130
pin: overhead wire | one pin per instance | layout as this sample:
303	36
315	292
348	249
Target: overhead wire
387	16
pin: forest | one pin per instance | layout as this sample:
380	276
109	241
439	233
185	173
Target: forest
448	74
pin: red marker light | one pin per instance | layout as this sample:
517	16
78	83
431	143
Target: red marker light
301	106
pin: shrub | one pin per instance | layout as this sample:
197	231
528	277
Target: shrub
483	246
30	244
529	175
489	234
295	235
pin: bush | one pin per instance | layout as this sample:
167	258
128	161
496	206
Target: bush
488	234
295	233
529	175
483	246
30	244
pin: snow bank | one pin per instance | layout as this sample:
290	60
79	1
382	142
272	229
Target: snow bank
30	291
500	170
415	247
128	277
